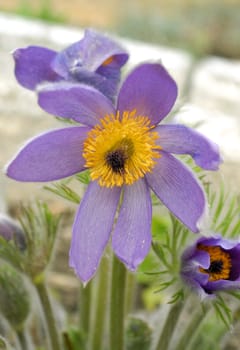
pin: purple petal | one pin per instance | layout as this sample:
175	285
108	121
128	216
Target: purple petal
81	103
192	273
235	258
195	285
217	239
107	86
92	228
132	238
50	156
221	285
32	66
90	53
150	90
182	140
179	190
101	48
196	256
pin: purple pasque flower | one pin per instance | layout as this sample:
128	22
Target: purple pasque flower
212	264
95	60
128	154
10	230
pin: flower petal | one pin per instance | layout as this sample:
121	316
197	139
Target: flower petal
180	139
218	240
235	258
106	86
90	53
196	282
92	228
179	190
131	238
214	286
32	66
103	49
50	156
150	90
196	257
81	103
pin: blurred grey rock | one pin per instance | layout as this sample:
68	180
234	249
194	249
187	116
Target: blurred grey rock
216	84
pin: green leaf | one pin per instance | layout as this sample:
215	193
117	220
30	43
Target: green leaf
179	295
74	339
224	211
64	191
84	177
223	311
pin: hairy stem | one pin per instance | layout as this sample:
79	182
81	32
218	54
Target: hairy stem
117	305
130	292
169	326
23	340
101	307
85	307
49	315
191	329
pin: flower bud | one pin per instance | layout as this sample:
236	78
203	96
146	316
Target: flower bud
10	230
138	334
14	297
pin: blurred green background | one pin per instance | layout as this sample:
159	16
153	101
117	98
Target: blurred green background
202	27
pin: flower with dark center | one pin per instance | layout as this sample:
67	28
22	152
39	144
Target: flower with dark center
212	264
128	154
95	60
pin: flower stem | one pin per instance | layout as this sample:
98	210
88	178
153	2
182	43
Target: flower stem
49	316
22	337
192	329
101	306
85	307
130	292
168	328
117	305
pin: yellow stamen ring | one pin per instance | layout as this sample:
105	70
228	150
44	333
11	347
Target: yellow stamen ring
220	263
119	151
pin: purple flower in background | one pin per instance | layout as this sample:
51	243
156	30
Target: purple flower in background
128	154
212	264
10	230
95	60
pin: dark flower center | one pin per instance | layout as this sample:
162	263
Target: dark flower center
116	160
116	157
215	266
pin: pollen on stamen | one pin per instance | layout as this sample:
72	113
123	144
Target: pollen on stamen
121	149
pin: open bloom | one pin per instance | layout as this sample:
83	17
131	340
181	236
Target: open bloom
128	154
95	60
212	264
